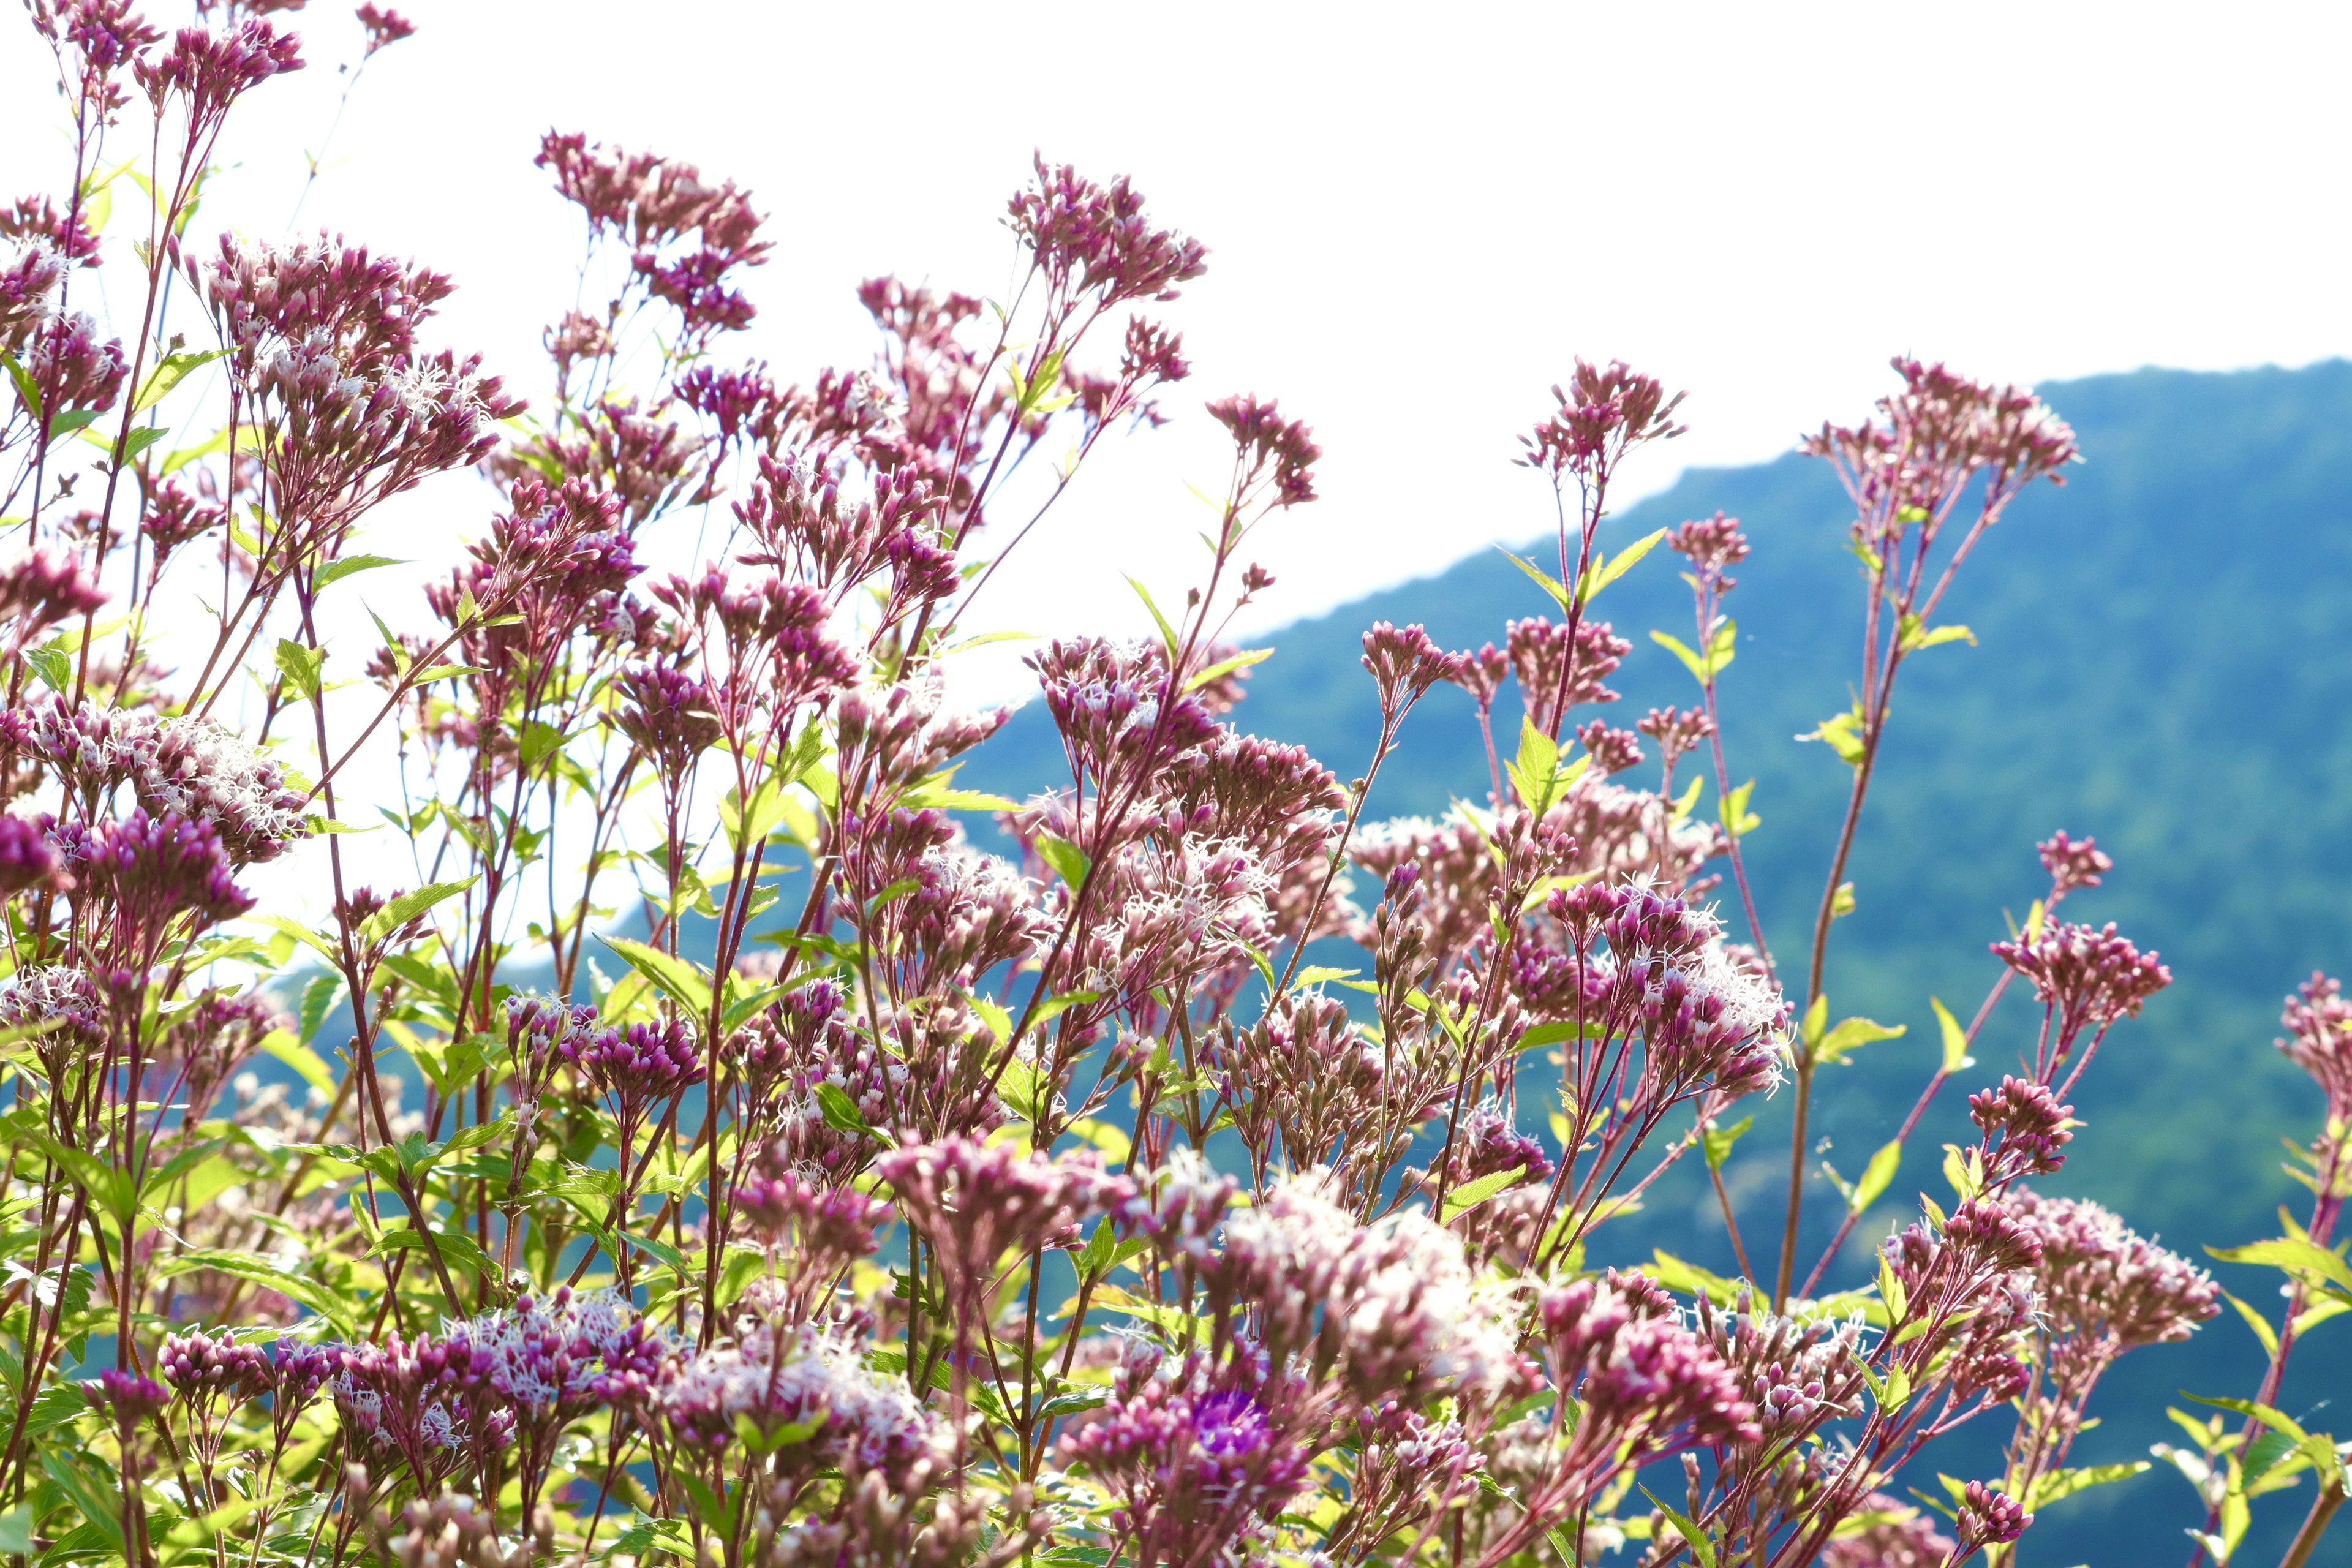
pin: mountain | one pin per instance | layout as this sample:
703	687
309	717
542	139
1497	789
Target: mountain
2161	661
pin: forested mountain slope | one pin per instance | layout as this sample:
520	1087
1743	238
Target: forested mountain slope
2162	661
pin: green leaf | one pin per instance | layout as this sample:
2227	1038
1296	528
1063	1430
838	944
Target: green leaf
1956	1040
1537	762
840	1111
1964	1172
97	1501
1691	661
175	368
1916	634
1068	861
2299	1260
1702	1549
1226	666
2261	1413
457	1249
1167	632
2059	1484
2256	1322
407	907
335	571
1549	583
52	665
1732	809
1877	1176
1597	576
300	665
260	1270
1470	1195
1853	1033
1842	735
683	983
1715	1143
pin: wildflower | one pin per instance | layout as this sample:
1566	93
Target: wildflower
1383	1310
130	1397
2085	979
1644	1387
1537	651
39	589
57	1005
1711	544
384	26
2101	1281
1118	719
2071	863
29	859
409	1399
1305	1080
1988	1518
1609	410
1404	664
1888	1534
1613	751
669	713
1269	449
804	1385
1194	1454
1909	467
151	870
1797	1374
1093	239
2024	1128
976	1203
543	1030
2319	1023
77	371
449	1531
821	1229
636	1066
211	70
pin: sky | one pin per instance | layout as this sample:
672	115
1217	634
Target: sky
1418	218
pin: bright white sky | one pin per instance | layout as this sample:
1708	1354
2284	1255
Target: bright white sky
1418	216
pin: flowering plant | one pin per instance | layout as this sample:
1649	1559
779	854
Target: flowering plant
793	1179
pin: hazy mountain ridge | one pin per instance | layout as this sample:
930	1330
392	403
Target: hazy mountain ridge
2161	664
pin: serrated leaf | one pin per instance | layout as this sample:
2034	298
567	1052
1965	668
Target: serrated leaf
1715	1143
1167	632
682	982
1067	860
1878	1175
1702	1548
2060	1484
399	912
344	567
1470	1195
1597	576
1852	1035
300	665
1549	583
2300	1259
167	375
1226	666
1956	1040
260	1270
840	1111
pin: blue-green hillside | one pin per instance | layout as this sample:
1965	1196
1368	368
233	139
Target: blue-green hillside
2164	660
